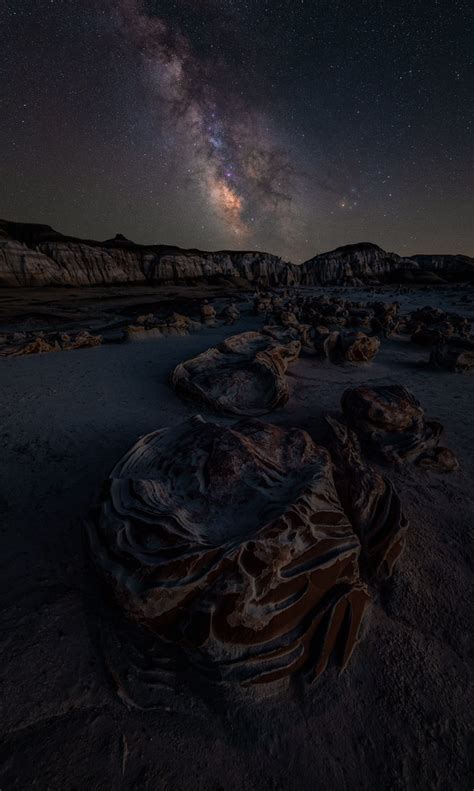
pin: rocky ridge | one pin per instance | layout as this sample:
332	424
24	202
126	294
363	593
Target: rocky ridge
37	255
366	263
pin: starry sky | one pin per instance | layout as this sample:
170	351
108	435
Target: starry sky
292	126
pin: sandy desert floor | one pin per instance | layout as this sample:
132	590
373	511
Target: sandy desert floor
397	718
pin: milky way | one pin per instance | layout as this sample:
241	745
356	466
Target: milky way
241	171
292	126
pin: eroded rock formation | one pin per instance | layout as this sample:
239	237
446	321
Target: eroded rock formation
37	255
23	343
392	420
232	544
243	375
338	347
365	263
355	265
149	326
357	347
371	502
431	326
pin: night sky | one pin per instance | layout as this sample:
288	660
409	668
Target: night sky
292	126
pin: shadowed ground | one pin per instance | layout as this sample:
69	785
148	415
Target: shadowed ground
397	718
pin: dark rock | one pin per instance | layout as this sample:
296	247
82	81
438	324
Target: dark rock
392	420
231	544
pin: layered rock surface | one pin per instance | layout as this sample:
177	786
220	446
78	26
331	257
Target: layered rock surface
243	375
366	263
353	265
392	420
232	544
371	502
37	255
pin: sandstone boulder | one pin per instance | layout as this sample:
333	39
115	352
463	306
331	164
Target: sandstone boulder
392	420
149	327
371	502
243	375
357	347
232	545
339	347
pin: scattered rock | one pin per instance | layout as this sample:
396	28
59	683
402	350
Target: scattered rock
20	344
353	347
150	327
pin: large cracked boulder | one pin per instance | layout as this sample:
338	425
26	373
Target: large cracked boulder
243	375
392	420
231	544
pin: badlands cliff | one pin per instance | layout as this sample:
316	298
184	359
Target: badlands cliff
37	255
365	263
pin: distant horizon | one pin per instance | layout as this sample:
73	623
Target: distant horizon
100	240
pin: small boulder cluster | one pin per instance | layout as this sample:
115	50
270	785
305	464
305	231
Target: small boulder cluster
19	344
448	334
332	327
151	326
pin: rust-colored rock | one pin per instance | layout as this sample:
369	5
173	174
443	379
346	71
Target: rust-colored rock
232	544
149	327
357	347
243	375
21	344
371	502
392	420
81	340
208	314
338	347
